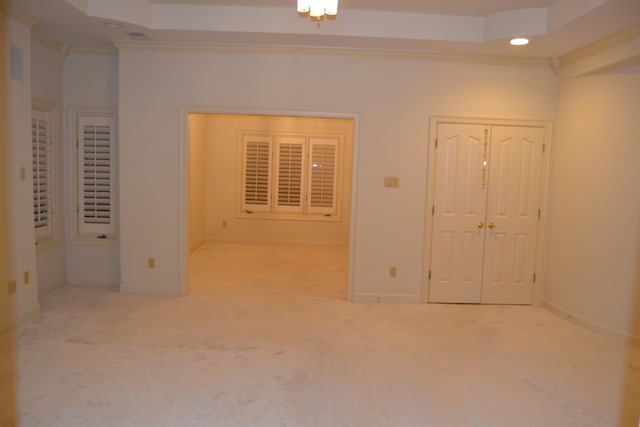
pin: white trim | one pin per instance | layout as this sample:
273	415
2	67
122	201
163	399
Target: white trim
126	288
50	288
387	298
544	187
320	50
48	42
183	213
312	243
14	321
599	328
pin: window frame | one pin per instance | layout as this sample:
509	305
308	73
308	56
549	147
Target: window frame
275	210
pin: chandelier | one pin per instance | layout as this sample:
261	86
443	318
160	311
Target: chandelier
318	8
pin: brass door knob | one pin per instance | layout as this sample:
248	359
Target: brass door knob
480	224
491	225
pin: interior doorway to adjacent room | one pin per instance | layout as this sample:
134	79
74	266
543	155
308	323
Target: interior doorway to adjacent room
267	187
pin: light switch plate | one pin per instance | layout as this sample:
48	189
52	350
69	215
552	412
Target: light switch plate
392	181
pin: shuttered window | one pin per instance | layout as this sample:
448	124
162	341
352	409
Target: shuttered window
257	174
96	176
304	171
290	174
323	175
42	173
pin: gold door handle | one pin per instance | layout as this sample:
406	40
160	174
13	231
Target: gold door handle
491	225
480	224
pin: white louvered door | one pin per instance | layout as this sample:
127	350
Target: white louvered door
487	194
42	176
323	176
290	174
96	176
256	179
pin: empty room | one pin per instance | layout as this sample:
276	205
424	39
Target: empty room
290	213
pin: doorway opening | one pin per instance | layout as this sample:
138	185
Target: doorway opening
269	197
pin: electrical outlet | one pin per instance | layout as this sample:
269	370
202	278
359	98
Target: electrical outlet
393	271
11	286
152	262
26	277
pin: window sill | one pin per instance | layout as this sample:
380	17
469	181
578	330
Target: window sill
47	244
270	216
94	241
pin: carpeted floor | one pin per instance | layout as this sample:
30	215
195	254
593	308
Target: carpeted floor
267	339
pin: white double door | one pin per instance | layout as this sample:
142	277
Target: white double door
485	213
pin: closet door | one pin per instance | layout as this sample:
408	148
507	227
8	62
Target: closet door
515	167
485	220
459	214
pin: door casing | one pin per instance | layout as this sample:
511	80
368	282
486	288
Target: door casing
544	184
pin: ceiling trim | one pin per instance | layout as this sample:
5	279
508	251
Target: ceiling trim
7	10
602	45
48	42
212	47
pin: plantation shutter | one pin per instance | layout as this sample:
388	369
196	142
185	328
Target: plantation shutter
256	180
323	176
96	175
42	176
290	174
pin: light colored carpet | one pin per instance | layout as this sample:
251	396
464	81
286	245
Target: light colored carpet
266	339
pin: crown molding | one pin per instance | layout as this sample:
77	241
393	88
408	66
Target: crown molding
224	48
7	10
91	50
49	42
599	46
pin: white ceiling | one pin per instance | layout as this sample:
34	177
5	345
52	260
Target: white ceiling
455	27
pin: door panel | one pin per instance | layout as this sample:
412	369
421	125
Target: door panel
512	214
458	242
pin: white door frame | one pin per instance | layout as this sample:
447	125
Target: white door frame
183	215
544	186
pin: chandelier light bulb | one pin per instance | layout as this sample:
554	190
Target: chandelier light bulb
318	8
303	6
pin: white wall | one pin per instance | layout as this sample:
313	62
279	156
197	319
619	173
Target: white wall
90	81
593	252
223	176
47	62
393	97
21	235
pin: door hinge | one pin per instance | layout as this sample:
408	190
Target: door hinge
534	277
433	210
544	147
539	213
429	274
436	142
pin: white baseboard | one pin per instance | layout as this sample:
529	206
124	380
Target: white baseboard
127	288
329	244
591	325
49	288
91	281
387	298
17	319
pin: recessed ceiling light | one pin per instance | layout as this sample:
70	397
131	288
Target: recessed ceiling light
136	35
114	25
519	41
